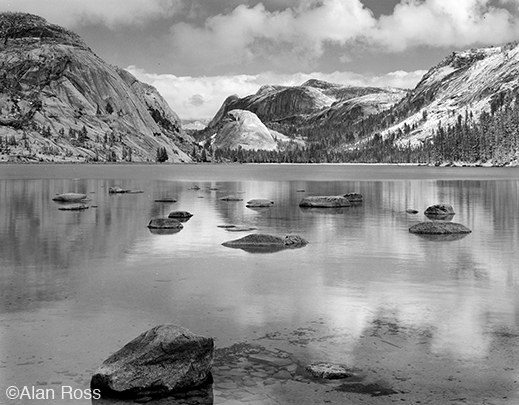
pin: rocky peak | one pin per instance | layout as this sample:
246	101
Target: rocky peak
22	29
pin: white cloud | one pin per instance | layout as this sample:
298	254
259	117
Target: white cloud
201	97
299	35
443	23
70	13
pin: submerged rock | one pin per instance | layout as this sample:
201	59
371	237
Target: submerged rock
325	201
259	203
330	371
73	207
231	198
119	190
411	211
242	228
165	223
163	360
439	228
353	197
70	197
266	242
166	200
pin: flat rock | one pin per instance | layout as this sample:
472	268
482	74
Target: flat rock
241	228
257	203
439	228
180	214
325	201
119	190
70	197
267	241
163	360
411	211
231	198
165	223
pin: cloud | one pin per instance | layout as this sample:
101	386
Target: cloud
444	23
298	36
112	13
201	97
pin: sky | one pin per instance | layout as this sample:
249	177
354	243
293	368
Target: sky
198	52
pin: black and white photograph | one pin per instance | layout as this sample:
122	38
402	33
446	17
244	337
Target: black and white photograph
259	202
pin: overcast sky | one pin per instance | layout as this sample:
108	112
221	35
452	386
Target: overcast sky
198	52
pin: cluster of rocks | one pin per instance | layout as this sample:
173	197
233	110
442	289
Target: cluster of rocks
440	224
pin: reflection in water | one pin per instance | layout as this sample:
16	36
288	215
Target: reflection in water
364	287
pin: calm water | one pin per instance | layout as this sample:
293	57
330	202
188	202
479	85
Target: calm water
76	286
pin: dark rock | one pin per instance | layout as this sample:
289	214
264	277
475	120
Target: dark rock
439	228
353	197
163	360
180	214
165	223
259	203
439	209
268	243
325	201
231	198
70	197
73	207
330	371
411	211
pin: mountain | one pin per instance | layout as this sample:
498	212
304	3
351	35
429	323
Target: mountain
61	102
466	82
286	109
243	129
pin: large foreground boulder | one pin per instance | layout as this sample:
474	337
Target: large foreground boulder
266	243
70	197
439	228
161	361
330	201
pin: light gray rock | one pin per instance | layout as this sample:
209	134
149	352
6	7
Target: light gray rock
70	197
163	360
439	228
325	201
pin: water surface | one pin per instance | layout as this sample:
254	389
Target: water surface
76	286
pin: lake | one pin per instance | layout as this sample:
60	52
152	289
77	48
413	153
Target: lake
422	320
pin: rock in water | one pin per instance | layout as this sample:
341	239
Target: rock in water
70	197
330	371
165	223
353	197
180	215
265	241
439	228
439	209
259	203
325	201
161	361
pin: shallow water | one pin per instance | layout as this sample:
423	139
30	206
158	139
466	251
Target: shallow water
431	318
